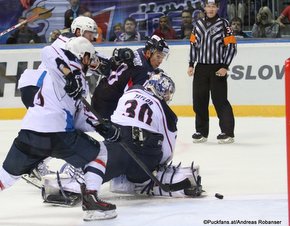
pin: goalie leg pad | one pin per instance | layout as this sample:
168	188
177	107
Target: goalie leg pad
122	185
70	199
61	189
167	175
173	174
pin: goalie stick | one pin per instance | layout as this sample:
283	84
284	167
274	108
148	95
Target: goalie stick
165	187
29	19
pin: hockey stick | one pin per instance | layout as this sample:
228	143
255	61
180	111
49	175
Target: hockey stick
29	19
91	109
165	187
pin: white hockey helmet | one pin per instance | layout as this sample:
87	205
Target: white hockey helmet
80	46
84	24
161	85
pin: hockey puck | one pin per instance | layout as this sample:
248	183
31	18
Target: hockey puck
219	196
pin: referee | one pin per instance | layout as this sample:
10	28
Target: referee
212	49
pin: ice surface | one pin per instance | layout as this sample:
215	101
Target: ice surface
251	174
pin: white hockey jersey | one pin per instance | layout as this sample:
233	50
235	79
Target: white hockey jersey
32	77
54	110
138	107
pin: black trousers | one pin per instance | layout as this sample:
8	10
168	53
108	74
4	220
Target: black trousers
206	84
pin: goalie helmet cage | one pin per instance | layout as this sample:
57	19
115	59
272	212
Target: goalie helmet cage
287	103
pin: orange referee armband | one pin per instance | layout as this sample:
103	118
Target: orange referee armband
230	40
192	38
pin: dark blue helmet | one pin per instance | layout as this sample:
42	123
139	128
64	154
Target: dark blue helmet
155	43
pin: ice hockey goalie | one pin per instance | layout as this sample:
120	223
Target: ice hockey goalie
64	188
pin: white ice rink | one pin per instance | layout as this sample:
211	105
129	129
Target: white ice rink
251	174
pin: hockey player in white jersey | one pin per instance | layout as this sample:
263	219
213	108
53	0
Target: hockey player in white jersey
30	81
101	65
55	127
148	127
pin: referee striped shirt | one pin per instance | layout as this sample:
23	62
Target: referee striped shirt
212	42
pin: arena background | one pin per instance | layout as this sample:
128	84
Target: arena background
255	82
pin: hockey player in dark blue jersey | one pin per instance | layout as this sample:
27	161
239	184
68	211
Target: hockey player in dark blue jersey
147	59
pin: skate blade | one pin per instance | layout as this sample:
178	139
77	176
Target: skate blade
33	180
58	204
229	140
92	215
201	140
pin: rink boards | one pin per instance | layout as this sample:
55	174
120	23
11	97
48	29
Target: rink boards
255	79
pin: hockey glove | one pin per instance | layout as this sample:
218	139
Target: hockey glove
73	86
105	67
124	55
108	130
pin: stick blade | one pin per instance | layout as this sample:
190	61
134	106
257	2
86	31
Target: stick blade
47	11
180	185
41	13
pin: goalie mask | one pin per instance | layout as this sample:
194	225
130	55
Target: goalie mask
161	85
84	24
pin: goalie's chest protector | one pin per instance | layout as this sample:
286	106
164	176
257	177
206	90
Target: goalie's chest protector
139	108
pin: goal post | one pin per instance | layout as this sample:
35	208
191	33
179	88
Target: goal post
287	104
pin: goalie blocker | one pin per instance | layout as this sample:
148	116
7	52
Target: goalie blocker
65	190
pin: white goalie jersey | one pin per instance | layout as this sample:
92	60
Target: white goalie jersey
139	108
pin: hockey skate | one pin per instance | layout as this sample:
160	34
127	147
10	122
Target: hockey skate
225	139
198	138
36	176
95	208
